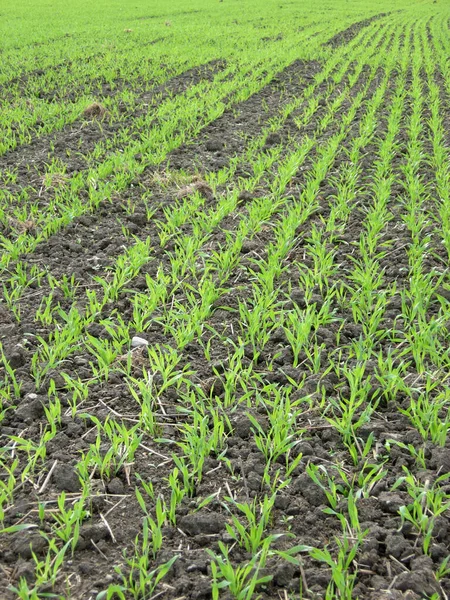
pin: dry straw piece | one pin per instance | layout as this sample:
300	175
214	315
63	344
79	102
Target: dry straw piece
198	185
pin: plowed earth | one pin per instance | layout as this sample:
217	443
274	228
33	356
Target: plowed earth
390	562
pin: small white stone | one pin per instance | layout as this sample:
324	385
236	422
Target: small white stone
137	341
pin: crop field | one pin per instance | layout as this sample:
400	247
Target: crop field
225	300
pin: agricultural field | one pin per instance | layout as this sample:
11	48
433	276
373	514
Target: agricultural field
225	300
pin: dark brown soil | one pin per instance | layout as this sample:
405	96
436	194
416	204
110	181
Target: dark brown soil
82	136
391	563
345	36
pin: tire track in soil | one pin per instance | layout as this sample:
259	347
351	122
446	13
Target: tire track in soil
5	162
6	232
288	133
55	145
125	194
37	44
307	527
228	134
345	36
297	182
260	242
99	87
260	245
26	77
79	233
40	152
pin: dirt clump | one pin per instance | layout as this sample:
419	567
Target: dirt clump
94	111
